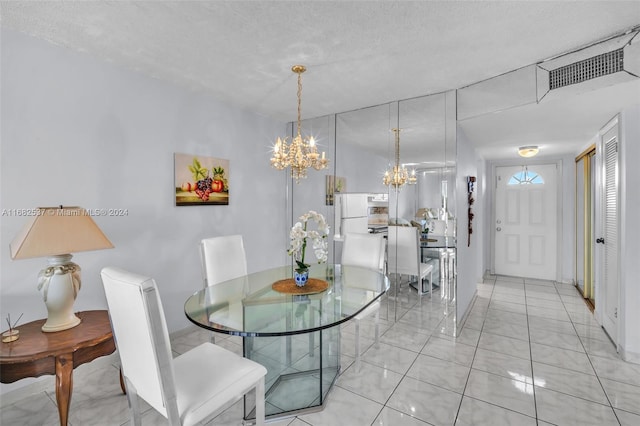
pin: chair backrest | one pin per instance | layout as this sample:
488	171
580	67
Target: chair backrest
364	250
404	250
222	258
141	336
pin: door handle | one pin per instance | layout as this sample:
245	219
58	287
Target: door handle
600	240
498	229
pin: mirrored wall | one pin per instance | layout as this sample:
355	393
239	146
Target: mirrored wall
362	146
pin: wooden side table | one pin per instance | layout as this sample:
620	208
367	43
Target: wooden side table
37	353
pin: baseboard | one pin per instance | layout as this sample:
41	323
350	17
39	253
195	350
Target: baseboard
463	319
628	356
179	333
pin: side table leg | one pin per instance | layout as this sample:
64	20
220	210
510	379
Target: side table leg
64	385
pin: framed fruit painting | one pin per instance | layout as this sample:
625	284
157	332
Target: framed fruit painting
201	180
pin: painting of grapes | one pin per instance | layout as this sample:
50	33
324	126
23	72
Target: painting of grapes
201	180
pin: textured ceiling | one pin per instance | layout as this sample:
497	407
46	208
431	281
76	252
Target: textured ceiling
358	54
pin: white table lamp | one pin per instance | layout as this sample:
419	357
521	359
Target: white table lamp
56	232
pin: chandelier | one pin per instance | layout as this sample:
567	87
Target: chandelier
302	153
398	175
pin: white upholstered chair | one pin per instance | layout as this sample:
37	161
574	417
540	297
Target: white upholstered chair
403	256
366	251
222	258
188	389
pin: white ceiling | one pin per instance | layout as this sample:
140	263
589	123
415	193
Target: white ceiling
357	53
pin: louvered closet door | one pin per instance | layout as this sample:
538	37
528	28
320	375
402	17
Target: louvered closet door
610	206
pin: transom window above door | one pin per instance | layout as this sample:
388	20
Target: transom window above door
525	177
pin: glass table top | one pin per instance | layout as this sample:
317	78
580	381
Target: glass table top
248	306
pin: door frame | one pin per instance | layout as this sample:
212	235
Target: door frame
559	208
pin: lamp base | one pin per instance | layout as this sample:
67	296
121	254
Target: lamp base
59	284
57	325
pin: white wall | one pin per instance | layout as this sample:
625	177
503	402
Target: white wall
469	270
630	234
77	131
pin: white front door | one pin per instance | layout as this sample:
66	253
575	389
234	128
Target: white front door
525	225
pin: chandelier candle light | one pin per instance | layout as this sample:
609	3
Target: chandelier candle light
399	175
302	153
299	235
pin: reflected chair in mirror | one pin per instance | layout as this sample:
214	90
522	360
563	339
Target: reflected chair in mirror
366	251
222	258
403	256
187	390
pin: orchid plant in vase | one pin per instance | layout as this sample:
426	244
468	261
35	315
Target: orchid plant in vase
299	235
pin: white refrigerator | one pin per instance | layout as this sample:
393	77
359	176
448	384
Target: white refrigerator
351	212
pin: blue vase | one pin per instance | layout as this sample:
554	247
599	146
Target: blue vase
301	277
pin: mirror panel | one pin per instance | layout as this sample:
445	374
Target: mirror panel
361	147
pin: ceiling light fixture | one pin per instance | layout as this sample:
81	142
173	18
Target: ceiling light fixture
398	175
528	151
302	153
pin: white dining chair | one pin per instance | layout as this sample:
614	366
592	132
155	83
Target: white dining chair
222	258
403	256
366	251
186	390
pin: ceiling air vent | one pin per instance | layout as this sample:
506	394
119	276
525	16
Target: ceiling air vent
587	69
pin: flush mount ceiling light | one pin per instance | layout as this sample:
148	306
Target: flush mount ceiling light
528	151
302	153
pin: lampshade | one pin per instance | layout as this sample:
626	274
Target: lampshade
528	151
58	230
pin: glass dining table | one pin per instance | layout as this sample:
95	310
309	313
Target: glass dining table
295	336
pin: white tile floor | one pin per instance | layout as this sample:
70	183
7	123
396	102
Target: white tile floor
530	353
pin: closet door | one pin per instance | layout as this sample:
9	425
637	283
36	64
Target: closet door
609	239
585	213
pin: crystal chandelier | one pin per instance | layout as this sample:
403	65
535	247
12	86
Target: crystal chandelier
302	153
398	175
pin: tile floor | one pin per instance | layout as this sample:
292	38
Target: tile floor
530	353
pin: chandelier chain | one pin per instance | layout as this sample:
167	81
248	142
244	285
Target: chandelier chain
299	102
397	131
